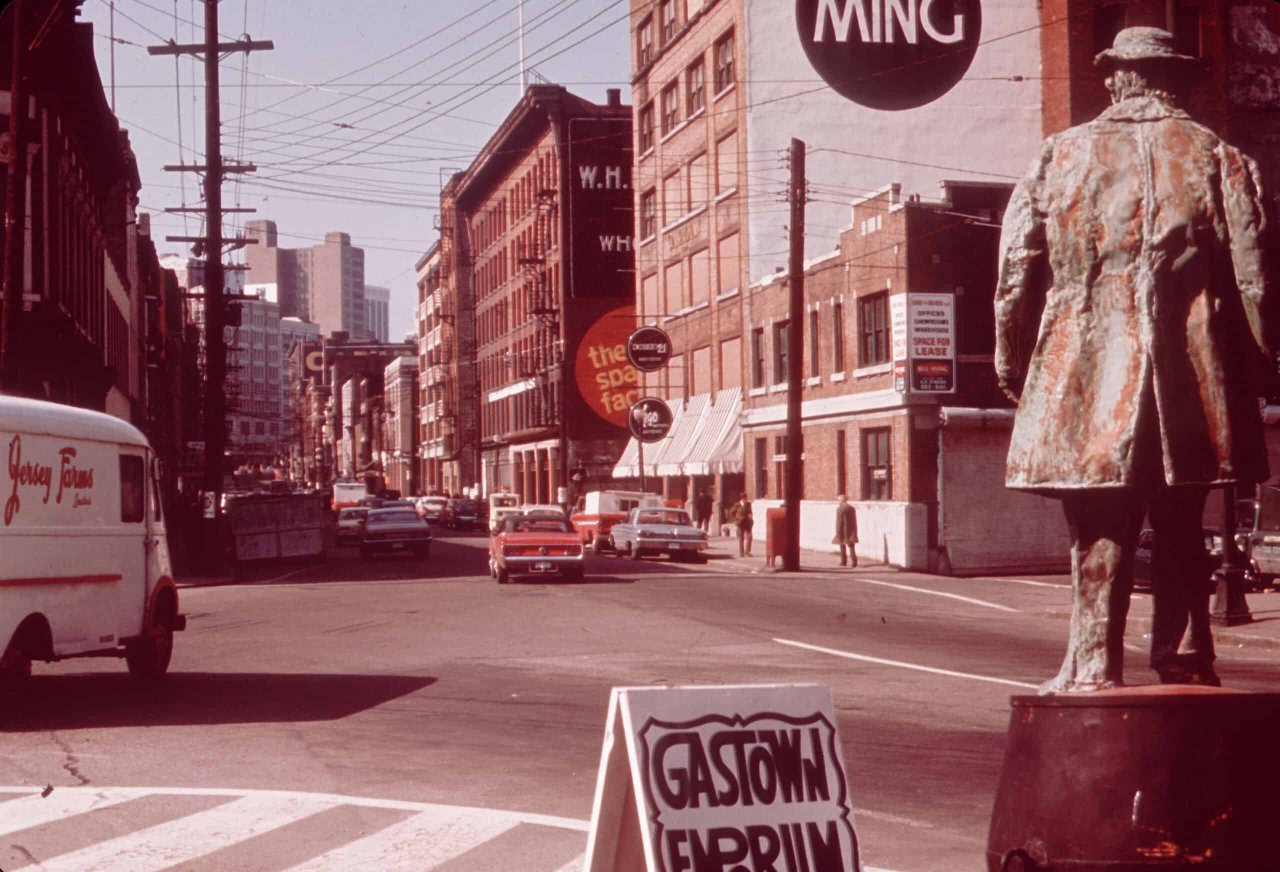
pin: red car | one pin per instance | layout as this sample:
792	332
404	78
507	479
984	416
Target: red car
540	544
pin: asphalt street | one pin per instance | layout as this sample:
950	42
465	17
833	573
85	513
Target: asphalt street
405	713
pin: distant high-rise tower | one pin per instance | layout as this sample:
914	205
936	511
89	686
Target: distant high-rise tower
377	312
322	283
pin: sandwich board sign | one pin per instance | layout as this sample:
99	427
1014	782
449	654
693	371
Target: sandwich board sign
747	778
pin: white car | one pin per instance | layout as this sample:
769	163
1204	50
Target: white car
543	509
431	509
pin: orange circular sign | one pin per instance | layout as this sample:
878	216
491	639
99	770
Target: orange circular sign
607	381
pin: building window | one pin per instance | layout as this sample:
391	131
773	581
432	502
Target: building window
700	276
672	198
649	296
876	466
781	351
762	469
842	474
669	15
724	62
644	42
727	269
873	314
675	290
699	375
780	464
698	182
731	363
670	107
696	87
646	127
757	357
648	213
727	163
814	347
837	336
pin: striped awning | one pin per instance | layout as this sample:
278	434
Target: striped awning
684	431
719	424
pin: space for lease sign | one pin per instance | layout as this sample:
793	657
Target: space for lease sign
722	779
931	342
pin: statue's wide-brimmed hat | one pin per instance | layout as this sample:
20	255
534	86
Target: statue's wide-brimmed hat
1137	45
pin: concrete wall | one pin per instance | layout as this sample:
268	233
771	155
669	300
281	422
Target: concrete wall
888	532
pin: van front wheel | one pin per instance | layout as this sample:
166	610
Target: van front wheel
149	656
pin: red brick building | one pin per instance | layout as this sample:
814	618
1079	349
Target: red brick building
536	258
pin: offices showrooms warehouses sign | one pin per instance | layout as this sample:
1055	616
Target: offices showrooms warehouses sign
923	342
890	54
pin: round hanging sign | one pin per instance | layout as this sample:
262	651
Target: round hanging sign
649	349
890	54
650	419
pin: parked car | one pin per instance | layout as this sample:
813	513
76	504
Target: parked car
351	524
431	509
596	513
463	515
395	530
501	505
1258	534
543	509
539	544
659	531
1142	557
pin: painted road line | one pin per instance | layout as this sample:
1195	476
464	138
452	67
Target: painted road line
954	596
37	810
1027	581
866	658
422	842
188	838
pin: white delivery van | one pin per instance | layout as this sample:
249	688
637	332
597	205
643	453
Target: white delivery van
84	562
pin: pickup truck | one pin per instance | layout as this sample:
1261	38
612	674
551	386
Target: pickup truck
659	531
596	513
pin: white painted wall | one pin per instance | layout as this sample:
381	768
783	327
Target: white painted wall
984	129
888	532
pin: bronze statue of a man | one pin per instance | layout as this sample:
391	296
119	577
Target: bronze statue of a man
1133	325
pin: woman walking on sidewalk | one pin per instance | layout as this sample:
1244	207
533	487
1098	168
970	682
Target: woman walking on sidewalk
741	516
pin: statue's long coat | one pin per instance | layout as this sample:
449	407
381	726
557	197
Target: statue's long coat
1132	255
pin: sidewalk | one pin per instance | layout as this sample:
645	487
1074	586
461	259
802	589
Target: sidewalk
1263	631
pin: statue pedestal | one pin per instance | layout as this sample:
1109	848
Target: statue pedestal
1139	778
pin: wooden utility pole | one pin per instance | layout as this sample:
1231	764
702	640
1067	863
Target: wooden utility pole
215	316
795	359
15	207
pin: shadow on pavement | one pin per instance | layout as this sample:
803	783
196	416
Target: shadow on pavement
58	702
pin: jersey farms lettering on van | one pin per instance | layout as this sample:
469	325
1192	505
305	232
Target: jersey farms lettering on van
32	475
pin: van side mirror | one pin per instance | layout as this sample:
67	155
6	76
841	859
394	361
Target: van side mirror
157	469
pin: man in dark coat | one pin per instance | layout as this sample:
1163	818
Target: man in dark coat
1134	329
846	531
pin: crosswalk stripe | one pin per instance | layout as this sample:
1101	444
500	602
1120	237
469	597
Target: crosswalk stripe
417	844
36	810
187	838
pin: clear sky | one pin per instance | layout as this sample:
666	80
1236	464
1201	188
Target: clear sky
355	116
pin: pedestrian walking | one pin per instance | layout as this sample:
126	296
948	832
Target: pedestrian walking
742	518
846	531
702	510
1134	330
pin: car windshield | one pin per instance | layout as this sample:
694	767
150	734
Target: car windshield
392	517
464	507
503	502
668	516
537	524
352	514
